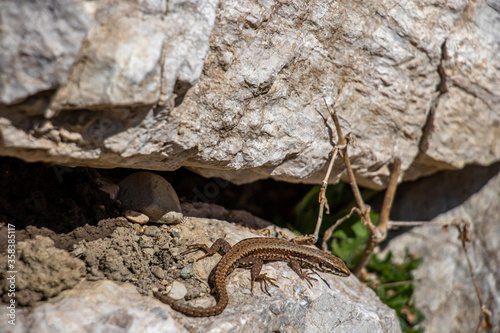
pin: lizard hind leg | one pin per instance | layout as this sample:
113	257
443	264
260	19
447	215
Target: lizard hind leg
220	246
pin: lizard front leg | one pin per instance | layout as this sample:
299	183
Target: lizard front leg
221	246
256	264
304	275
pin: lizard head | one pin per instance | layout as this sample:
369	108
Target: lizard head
333	265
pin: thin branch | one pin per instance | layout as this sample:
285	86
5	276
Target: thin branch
342	147
389	196
464	236
379	233
329	231
322	194
394	224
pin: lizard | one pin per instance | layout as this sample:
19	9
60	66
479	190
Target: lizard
252	252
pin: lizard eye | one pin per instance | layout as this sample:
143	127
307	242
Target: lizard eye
323	266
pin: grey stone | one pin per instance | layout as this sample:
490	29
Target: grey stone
171	218
146	242
444	289
158	272
187	272
348	306
150	194
151	231
102	306
177	291
40	42
235	89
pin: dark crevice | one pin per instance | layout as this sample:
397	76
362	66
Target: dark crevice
442	86
180	90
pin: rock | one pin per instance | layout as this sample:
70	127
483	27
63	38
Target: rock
152	195
151	231
237	90
146	242
102	306
108	187
294	306
42	271
136	217
171	218
349	306
158	272
444	290
48	37
463	127
187	272
212	211
177	291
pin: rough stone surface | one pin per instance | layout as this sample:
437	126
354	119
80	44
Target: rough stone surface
39	42
42	271
464	126
152	195
236	89
444	289
294	306
128	255
102	306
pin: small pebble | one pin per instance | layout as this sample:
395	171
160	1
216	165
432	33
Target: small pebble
149	252
136	217
158	272
146	242
151	231
175	234
192	293
187	272
171	218
178	291
79	250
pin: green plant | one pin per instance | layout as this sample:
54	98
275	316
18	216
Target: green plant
392	283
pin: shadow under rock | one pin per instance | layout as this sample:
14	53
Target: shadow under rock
424	199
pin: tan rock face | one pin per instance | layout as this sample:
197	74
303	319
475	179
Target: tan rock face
237	89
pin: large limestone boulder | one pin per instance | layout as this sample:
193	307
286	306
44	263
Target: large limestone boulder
237	89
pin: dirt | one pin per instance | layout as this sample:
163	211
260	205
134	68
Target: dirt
42	271
68	230
61	203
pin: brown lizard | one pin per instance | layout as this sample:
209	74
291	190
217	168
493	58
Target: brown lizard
252	252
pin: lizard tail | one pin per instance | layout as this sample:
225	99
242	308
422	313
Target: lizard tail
192	310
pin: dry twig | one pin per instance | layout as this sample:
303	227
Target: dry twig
463	228
323	203
378	233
